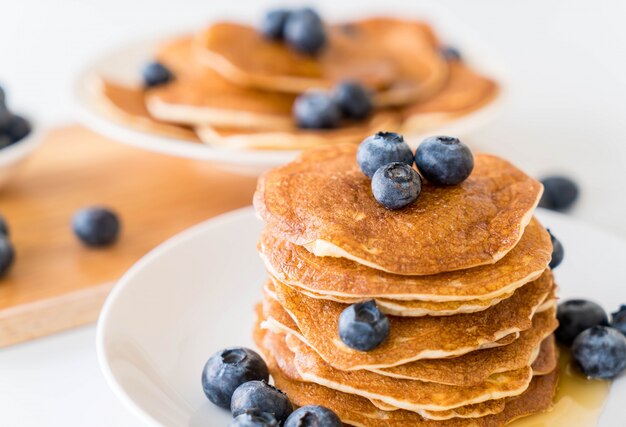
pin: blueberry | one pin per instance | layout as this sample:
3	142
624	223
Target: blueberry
7	255
254	418
305	32
263	397
155	74
618	320
575	316
96	226
558	252
5	118
316	110
381	149
273	24
313	416
4	227
362	326
3	97
16	128
444	160
450	53
559	193
396	185
600	352
355	101
228	369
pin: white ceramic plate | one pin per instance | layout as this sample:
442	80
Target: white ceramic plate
124	64
194	295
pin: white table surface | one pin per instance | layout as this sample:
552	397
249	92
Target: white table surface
568	114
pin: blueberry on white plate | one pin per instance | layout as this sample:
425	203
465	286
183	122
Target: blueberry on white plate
227	369
558	252
156	74
254	418
559	193
600	352
618	319
577	315
263	397
313	416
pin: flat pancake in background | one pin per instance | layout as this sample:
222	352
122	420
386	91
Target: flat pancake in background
125	105
297	139
475	367
242	55
466	91
411	395
413	338
413	48
323	201
200	96
343	278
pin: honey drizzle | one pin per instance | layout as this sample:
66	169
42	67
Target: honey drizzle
578	401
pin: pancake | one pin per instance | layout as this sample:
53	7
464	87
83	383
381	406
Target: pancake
199	96
293	138
408	308
324	202
465	91
475	367
413	338
413	48
411	395
226	47
548	357
352	282
359	411
125	105
470	411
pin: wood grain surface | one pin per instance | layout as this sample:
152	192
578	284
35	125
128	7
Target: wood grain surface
56	283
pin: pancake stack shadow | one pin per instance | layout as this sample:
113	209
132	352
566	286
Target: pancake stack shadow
462	276
231	87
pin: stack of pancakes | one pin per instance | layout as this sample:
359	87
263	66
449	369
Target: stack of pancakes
235	89
462	275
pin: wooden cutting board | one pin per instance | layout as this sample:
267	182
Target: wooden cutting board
56	283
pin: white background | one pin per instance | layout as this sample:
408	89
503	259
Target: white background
567	61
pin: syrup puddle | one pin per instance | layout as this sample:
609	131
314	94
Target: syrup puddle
578	402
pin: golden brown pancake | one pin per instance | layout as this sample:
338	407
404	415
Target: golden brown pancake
323	201
343	278
475	367
548	357
465	92
412	308
413	338
240	54
412	47
411	395
359	411
125	105
200	96
294	138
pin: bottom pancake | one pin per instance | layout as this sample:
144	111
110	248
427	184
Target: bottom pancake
359	411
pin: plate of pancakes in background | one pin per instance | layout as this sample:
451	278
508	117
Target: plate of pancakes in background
466	276
232	89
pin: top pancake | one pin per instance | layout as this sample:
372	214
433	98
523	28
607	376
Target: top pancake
323	201
341	277
226	47
199	95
